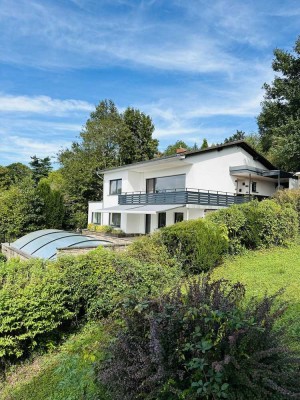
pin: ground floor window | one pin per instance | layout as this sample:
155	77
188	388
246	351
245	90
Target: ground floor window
115	220
96	218
162	219
178	217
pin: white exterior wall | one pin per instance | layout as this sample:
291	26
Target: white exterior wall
207	171
210	171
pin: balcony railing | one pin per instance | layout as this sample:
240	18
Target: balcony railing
184	196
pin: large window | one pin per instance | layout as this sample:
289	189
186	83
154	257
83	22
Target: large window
115	220
115	186
96	218
165	183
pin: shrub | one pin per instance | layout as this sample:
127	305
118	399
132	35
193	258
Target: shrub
151	250
34	306
196	342
2	258
198	244
257	225
289	197
41	301
103	281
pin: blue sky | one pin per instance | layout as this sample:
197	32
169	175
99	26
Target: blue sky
196	67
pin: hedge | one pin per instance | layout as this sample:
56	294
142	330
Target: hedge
41	301
198	245
257	225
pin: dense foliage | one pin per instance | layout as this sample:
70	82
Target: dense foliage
257	224
39	301
197	245
289	197
109	139
279	120
196	342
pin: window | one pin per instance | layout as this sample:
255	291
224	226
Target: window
115	186
254	187
178	217
161	184
96	218
161	219
115	220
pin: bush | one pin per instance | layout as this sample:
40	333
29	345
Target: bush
195	343
151	250
41	301
289	197
103	281
257	225
198	245
2	258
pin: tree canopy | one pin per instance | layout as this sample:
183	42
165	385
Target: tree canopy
109	138
279	120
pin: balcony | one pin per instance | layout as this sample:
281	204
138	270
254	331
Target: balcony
184	196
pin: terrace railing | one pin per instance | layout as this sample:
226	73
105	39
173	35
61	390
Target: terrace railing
184	196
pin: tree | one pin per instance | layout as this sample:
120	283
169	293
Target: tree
171	149
239	135
279	120
40	167
5	178
18	172
52	208
204	144
108	139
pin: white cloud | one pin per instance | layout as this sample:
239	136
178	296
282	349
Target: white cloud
41	105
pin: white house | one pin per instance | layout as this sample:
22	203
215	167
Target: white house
141	197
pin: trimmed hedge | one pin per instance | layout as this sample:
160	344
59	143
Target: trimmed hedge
198	245
41	301
257	225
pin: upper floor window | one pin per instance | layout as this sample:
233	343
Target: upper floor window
115	186
165	183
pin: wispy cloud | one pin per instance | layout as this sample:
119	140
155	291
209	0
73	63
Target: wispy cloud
41	105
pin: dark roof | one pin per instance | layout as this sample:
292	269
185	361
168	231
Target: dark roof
239	143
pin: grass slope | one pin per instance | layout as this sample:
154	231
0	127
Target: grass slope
66	375
267	271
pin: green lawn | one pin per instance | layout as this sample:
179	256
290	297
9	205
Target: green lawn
67	374
267	271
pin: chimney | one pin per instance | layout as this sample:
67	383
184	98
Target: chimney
180	150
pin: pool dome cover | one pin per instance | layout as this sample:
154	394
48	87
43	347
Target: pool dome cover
44	243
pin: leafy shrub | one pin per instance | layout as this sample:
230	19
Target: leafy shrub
196	342
34	305
257	225
102	281
40	300
235	221
289	197
151	250
198	244
2	258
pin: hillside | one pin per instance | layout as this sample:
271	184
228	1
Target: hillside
68	374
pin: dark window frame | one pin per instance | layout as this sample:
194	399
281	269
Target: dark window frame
111	220
118	189
176	214
254	187
160	223
152	182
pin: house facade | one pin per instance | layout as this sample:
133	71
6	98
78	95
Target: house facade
142	197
